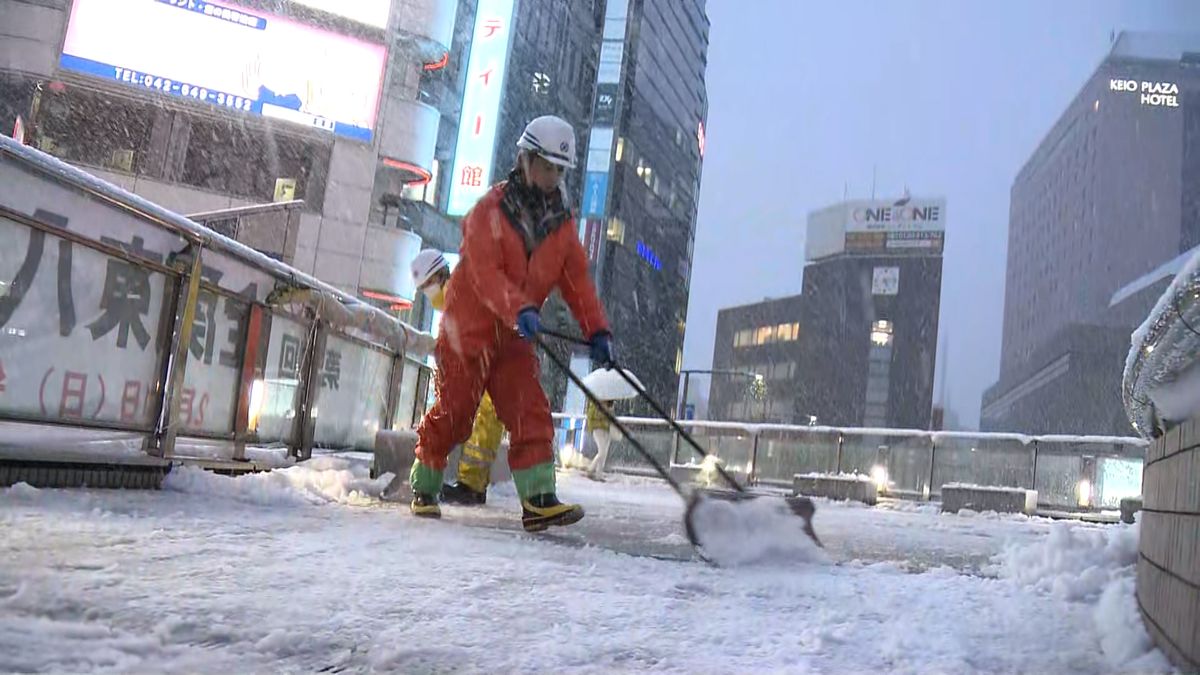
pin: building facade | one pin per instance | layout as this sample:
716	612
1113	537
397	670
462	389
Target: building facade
756	359
329	112
641	181
858	346
1110	194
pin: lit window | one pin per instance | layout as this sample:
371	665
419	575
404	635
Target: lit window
678	360
743	339
881	333
616	230
620	147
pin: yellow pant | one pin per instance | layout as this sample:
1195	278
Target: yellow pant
475	466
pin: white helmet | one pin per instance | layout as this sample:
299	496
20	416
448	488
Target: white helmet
427	263
551	137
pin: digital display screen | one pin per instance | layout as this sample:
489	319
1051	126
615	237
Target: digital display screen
230	57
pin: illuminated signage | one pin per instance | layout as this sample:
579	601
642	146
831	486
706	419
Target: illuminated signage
648	255
233	58
1160	94
474	150
370	12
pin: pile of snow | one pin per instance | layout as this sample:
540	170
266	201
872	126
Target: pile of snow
860	477
1073	562
318	481
1093	565
752	531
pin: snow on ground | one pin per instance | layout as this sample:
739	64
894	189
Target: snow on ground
303	569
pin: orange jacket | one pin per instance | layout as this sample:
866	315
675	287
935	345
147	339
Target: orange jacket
494	280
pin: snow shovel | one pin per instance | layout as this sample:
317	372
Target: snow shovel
800	506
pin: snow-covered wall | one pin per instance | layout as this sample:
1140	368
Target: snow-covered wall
1161	387
1162	397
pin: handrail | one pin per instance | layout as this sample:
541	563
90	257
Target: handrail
183	226
752	428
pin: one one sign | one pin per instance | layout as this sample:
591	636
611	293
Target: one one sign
474	150
230	57
904	215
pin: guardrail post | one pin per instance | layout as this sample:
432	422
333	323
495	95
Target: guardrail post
840	441
1087	480
932	464
395	383
304	426
162	444
250	357
752	474
1033	477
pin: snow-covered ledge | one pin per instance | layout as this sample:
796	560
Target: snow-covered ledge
1161	385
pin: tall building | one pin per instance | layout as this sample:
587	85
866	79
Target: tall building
1110	195
858	346
641	183
510	62
311	99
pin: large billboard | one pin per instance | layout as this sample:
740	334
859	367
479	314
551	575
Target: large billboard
477	126
230	57
877	226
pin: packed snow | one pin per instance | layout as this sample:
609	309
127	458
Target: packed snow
304	569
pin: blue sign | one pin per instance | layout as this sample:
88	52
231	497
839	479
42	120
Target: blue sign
648	255
473	154
595	192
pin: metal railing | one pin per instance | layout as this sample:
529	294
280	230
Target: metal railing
1069	472
119	315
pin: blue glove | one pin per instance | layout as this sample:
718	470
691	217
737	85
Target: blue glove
529	323
601	349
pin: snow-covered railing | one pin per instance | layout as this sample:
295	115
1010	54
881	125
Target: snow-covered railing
1067	471
118	314
1161	386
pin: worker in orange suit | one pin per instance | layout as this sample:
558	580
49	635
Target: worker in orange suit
520	242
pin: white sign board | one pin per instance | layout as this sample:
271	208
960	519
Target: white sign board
903	215
82	336
885	281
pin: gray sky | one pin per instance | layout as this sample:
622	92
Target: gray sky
949	97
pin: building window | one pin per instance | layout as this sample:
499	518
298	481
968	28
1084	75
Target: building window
616	230
787	332
743	338
881	333
620	147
